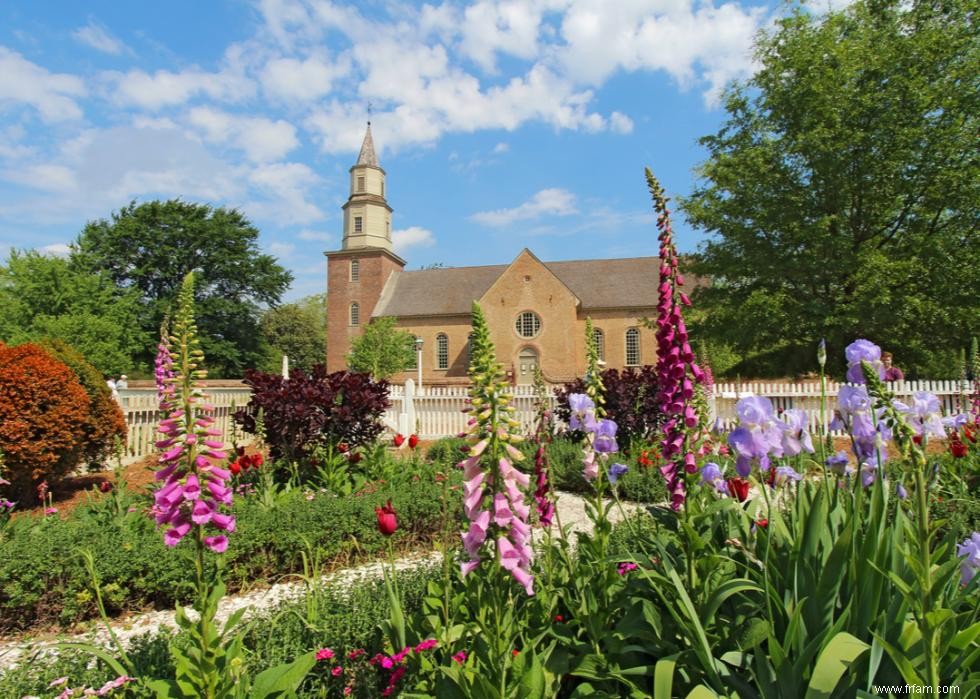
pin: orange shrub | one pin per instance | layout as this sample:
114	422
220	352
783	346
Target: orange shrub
43	414
106	419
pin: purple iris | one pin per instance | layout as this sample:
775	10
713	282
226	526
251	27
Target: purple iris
605	437
711	473
796	438
969	551
582	412
786	473
901	492
863	351
869	471
754	410
617	471
839	463
924	415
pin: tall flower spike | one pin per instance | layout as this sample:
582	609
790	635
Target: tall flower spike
677	372
164	368
194	490
542	436
593	375
494	491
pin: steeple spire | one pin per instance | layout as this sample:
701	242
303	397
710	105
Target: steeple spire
367	155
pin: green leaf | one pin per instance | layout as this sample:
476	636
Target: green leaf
833	662
663	677
701	692
100	653
282	680
532	681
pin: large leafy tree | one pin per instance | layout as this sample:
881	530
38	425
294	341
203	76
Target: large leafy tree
382	350
842	192
150	247
42	297
297	330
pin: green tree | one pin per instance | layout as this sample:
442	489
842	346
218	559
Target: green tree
150	247
382	350
841	194
42	297
297	330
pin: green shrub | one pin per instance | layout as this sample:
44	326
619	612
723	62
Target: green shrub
640	484
446	452
347	620
42	579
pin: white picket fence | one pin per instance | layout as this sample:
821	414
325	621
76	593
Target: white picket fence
806	396
139	407
438	411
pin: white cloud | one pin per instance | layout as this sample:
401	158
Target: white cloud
501	148
293	80
489	27
412	237
262	139
98	37
56	249
286	188
694	44
47	177
51	94
620	123
102	170
165	88
547	202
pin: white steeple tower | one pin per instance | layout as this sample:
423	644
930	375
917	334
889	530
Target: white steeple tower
367	216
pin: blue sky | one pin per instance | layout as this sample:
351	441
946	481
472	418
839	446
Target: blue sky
500	124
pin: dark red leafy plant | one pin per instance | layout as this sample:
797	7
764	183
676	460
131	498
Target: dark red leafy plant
315	409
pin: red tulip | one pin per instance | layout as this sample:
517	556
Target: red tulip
235	467
105	486
739	488
387	521
763	523
398	439
413	441
257	460
343	447
958	449
354	458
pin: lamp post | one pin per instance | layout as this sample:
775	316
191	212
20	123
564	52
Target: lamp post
418	358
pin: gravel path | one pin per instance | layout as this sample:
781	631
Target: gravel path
571	512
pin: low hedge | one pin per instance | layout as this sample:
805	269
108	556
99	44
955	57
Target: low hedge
43	579
346	620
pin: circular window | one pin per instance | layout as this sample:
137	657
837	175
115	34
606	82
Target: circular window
528	324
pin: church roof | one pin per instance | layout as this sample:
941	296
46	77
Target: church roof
367	155
620	283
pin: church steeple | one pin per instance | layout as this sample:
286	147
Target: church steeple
367	155
367	216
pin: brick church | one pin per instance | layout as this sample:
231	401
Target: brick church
536	310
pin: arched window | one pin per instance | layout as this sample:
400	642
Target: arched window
600	343
442	351
632	347
527	324
355	270
355	313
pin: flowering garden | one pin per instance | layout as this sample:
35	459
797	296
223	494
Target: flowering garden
765	562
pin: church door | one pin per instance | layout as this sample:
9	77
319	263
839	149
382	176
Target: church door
527	361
